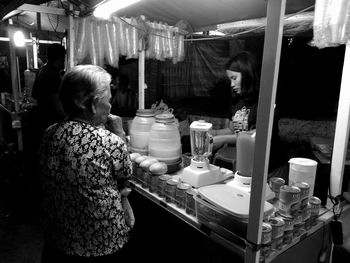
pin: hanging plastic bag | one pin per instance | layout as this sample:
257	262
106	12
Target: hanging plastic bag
121	36
134	39
112	26
150	51
109	54
81	50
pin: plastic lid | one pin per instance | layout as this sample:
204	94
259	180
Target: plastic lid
183	186
191	191
230	200
201	125
303	161
165	118
145	112
302	164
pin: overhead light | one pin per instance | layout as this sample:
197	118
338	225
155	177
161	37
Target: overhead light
105	9
18	38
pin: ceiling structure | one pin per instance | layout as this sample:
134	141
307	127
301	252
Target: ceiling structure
196	15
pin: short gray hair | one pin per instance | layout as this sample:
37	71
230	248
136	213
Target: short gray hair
81	85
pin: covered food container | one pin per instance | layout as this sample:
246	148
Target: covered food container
221	205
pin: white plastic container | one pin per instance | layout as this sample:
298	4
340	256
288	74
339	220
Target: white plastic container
303	170
164	139
139	130
221	205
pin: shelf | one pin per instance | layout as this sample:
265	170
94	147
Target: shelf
191	220
221	235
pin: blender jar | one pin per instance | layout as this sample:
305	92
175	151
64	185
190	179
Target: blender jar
201	140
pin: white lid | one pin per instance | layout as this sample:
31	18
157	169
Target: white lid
201	125
165	118
303	161
230	200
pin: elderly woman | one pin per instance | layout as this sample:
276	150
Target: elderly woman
84	169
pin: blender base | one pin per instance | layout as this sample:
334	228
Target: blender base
243	183
197	177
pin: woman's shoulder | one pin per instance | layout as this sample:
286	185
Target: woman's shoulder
108	136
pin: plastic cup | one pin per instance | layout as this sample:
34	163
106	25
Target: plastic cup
303	170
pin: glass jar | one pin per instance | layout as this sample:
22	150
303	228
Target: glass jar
170	190
180	194
162	179
190	202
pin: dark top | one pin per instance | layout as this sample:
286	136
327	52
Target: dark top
82	167
244	116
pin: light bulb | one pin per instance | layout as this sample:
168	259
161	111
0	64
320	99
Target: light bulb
18	38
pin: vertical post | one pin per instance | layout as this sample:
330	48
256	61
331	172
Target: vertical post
71	38
27	57
38	21
267	95
35	52
142	79
14	81
341	129
13	63
19	78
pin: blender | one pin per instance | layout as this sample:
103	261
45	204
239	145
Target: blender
245	146
200	172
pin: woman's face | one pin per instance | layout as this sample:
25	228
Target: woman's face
235	80
102	107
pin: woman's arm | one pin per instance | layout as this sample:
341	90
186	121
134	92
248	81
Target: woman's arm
225	131
220	140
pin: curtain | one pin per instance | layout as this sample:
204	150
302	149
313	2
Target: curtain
196	76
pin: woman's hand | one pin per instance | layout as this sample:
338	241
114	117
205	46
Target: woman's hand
115	124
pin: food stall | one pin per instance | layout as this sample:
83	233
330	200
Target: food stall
248	248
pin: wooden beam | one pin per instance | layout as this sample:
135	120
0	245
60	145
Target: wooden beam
42	9
38	9
11	14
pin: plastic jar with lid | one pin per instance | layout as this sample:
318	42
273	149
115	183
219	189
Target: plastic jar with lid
139	130
164	139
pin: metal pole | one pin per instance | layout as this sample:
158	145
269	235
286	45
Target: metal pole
71	39
267	95
341	129
16	123
19	79
141	79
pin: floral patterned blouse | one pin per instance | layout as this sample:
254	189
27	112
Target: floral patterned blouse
81	165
